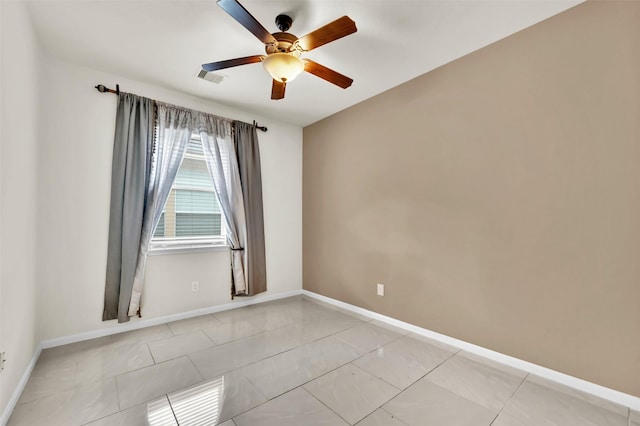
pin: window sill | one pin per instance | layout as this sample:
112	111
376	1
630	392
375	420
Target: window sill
187	249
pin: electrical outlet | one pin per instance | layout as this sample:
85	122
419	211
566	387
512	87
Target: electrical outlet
195	286
380	289
3	359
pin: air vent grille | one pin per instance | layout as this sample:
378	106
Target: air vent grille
210	76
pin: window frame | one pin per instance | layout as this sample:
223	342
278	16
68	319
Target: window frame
179	245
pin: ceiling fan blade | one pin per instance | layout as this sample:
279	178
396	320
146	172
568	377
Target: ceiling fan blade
332	31
213	66
277	90
327	74
240	14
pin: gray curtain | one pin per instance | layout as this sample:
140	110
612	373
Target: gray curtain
246	147
218	145
132	151
174	127
143	171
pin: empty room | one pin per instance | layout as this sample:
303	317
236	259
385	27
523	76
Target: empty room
288	212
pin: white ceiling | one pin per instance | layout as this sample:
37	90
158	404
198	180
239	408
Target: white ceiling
165	42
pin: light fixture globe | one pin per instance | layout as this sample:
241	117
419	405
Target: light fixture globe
283	67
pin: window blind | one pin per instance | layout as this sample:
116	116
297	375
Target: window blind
192	213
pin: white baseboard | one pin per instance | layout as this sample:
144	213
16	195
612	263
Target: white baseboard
612	395
143	323
21	384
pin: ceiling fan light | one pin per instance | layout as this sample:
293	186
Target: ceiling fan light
283	67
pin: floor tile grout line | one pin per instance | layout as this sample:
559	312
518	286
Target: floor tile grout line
196	368
483	365
372	350
393	415
149	366
436	367
112	375
265	402
524	379
160	396
329	408
287	391
115	379
275	354
204	331
152	357
379	378
435	384
72	387
75	384
366	372
244	337
303	388
300	385
100	418
172	410
146	366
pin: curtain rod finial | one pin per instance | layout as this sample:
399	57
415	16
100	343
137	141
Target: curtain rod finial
104	89
263	128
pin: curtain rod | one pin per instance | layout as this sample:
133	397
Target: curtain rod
104	89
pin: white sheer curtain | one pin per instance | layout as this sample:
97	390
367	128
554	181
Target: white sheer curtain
174	128
217	142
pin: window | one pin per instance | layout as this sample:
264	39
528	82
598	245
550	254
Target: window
191	217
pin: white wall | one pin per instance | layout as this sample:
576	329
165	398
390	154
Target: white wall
20	78
55	169
75	158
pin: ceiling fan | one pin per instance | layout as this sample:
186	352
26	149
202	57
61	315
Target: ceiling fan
283	49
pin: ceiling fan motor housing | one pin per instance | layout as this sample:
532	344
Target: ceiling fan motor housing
285	41
283	22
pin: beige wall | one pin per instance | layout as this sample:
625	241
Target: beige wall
497	197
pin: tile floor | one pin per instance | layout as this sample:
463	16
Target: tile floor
291	362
